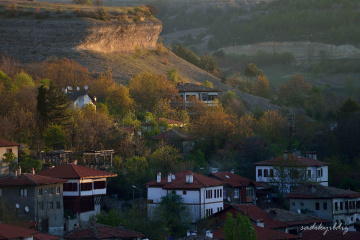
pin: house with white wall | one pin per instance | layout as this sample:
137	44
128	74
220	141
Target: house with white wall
83	190
7	147
190	92
203	195
80	98
289	171
338	205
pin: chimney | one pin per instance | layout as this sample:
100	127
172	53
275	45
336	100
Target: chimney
191	178
209	233
19	171
169	177
15	174
260	223
232	171
285	155
32	171
158	177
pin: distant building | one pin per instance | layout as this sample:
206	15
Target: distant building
80	98
7	147
237	189
203	195
338	205
297	169
181	140
35	198
190	92
83	189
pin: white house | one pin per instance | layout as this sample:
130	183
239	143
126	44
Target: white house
296	170
7	147
80	98
83	190
190	92
338	205
203	195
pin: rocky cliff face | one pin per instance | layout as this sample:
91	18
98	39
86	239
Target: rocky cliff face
35	40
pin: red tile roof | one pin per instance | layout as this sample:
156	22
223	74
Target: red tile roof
43	236
12	232
234	180
262	234
200	181
99	231
292	159
6	143
316	191
173	134
73	171
26	179
330	235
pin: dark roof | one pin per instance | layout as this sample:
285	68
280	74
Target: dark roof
26	179
330	235
234	180
6	143
173	134
262	234
99	231
290	160
76	94
199	181
169	121
190	87
292	218
73	171
12	232
320	191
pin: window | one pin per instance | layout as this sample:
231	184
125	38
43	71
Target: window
40	206
51	190
221	193
318	173
58	205
9	150
23	192
341	206
301	204
218	193
236	193
99	184
346	205
211	211
309	173
51	205
211	194
266	173
57	190
325	206
70	187
259	172
184	192
224	193
317	206
212	97
271	172
249	191
214	193
86	186
358	204
40	191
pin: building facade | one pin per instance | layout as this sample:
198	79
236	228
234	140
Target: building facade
189	92
202	195
7	147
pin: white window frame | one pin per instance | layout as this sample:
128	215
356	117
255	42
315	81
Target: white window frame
236	193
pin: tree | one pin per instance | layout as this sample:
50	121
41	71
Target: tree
273	127
262	88
9	159
119	100
208	63
251	71
294	92
349	106
20	81
165	159
54	138
173	75
111	218
186	54
239	228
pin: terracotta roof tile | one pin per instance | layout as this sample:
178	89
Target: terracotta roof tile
99	231
12	232
320	191
200	181
173	134
292	159
330	235
26	179
73	171
43	236
191	87
234	180
6	143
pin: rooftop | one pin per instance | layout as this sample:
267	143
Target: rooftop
173	134
179	181
12	232
234	180
6	143
319	191
73	95
26	179
330	235
191	87
73	171
292	160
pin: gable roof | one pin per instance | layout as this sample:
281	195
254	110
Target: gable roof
74	95
6	143
191	87
292	159
234	180
320	191
26	179
73	171
173	134
12	232
100	231
199	181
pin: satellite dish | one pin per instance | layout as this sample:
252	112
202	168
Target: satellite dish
69	87
299	211
17	205
228	198
78	88
173	176
227	176
86	87
26	209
